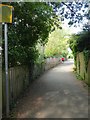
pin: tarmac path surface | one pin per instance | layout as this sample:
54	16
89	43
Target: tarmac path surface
55	94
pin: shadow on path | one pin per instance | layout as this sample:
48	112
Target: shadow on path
56	94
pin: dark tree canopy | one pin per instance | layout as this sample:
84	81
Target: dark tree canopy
32	23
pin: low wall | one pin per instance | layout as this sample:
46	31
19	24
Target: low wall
88	73
81	69
48	63
51	62
38	70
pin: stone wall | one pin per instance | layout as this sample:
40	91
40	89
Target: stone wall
88	73
51	62
81	68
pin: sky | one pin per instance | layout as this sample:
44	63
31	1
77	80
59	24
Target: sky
72	28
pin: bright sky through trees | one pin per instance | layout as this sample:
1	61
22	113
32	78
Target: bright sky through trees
77	10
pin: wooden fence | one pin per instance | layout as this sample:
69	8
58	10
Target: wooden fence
19	79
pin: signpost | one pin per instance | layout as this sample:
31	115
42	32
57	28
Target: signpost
6	13
6	17
6	69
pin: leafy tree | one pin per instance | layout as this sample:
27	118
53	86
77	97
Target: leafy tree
32	24
57	43
81	43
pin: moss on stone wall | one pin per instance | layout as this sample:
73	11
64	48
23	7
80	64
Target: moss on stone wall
86	57
83	67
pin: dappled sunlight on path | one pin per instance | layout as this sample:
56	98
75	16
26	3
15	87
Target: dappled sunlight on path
56	94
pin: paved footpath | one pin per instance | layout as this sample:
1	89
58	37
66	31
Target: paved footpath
56	94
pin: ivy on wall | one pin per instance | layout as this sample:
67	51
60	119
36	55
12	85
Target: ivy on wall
81	43
86	58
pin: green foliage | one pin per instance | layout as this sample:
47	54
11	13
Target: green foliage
70	55
86	57
33	21
81	43
57	44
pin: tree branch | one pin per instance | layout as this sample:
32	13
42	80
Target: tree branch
68	7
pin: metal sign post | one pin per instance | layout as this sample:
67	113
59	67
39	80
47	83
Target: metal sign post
6	69
6	17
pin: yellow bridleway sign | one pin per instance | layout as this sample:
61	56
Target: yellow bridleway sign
6	13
